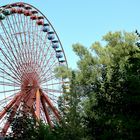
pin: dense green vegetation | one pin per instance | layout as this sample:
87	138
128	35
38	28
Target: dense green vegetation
104	98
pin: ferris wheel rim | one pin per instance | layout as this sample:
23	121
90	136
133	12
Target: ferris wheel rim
6	6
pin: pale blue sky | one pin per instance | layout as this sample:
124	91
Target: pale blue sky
86	21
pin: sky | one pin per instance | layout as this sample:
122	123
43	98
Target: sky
86	21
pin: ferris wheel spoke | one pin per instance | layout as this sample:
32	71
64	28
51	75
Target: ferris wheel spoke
6	99
11	116
13	27
38	103
46	75
51	106
18	32
48	79
55	83
7	37
42	47
43	53
53	98
50	68
24	53
7	107
46	112
51	62
38	38
36	63
26	39
52	90
38	53
8	49
7	79
12	51
8	59
9	74
29	40
4	91
52	94
34	40
28	100
43	73
24	57
34	45
10	67
54	61
10	40
33	31
42	115
22	33
8	84
44	56
37	46
48	58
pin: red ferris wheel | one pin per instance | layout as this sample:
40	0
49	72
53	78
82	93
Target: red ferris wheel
30	50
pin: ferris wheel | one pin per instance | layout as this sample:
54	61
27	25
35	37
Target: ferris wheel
30	50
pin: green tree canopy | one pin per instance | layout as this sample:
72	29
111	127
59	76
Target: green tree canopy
112	74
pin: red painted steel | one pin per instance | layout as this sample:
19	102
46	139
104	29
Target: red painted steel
27	63
38	104
51	106
10	119
2	113
46	112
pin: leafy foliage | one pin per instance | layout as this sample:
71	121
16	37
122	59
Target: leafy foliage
113	73
70	127
25	127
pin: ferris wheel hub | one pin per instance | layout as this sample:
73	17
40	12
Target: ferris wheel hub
30	80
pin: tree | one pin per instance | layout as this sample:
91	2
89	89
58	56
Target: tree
26	127
70	126
111	76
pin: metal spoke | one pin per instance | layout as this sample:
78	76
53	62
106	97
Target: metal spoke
30	50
